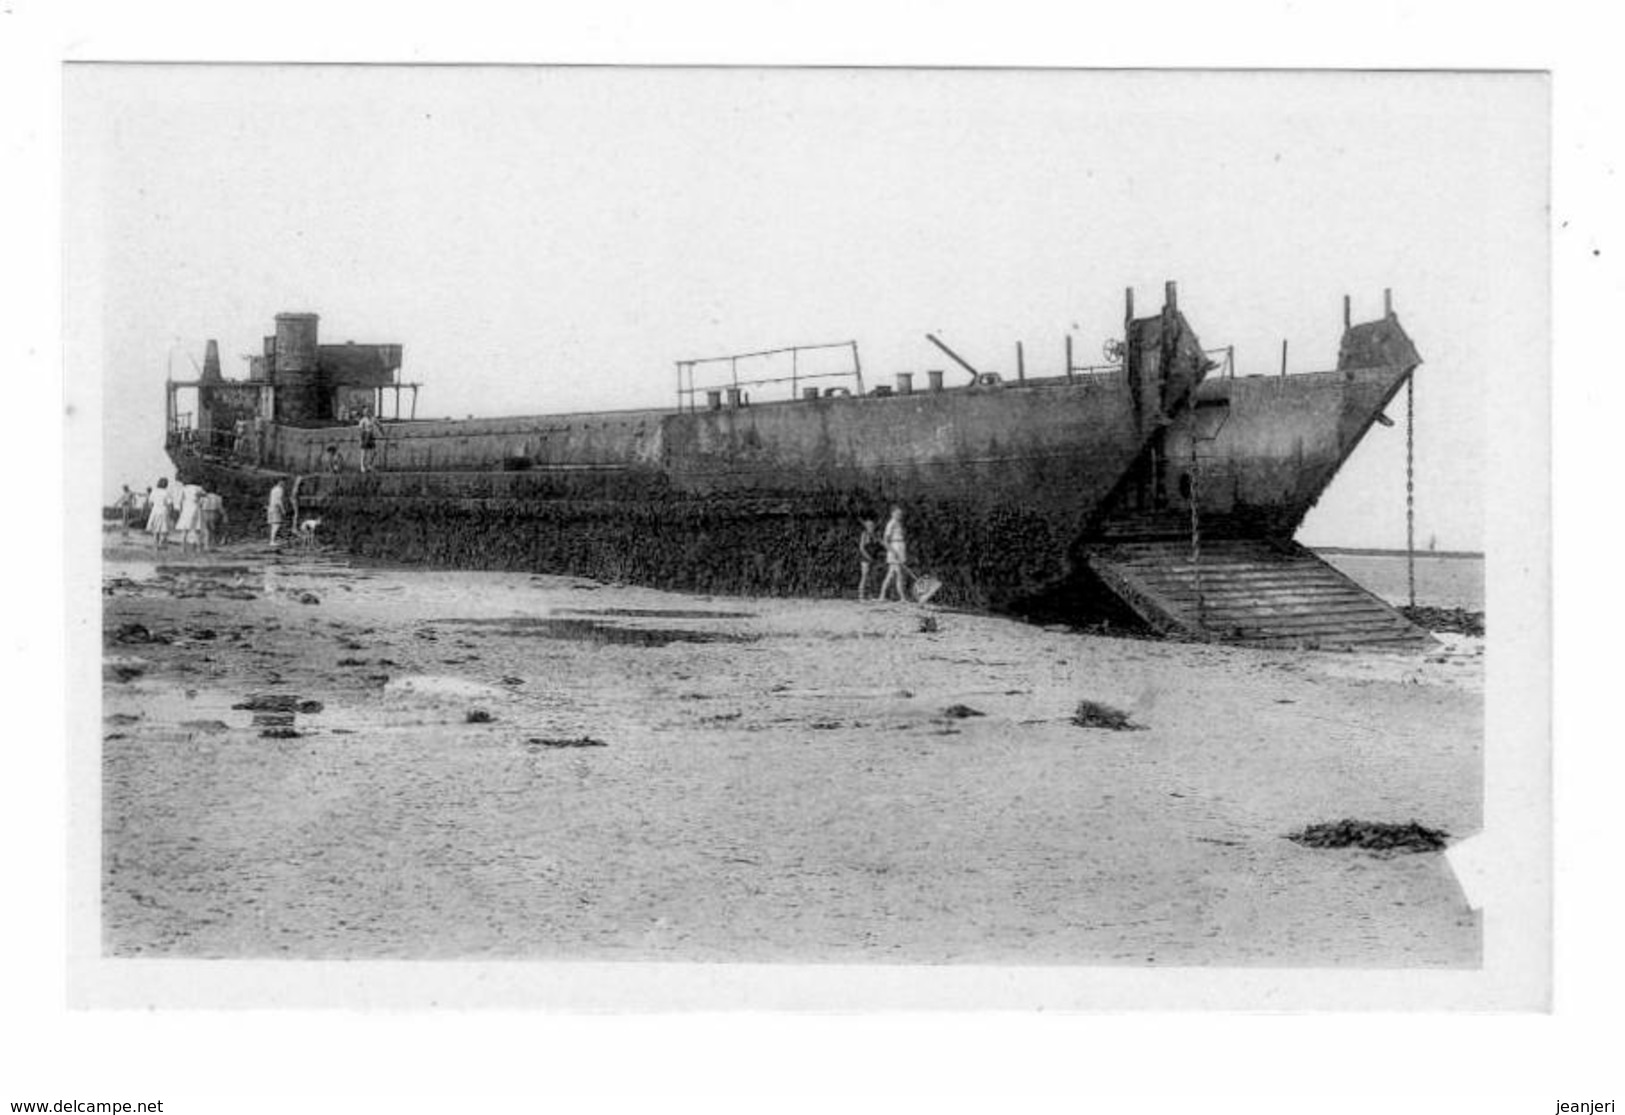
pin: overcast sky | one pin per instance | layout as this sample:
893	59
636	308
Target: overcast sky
553	239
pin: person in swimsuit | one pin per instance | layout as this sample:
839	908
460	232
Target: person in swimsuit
369	440
212	518
868	553
273	511
896	555
126	508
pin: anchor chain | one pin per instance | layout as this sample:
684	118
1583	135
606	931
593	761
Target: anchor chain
1410	487
1196	536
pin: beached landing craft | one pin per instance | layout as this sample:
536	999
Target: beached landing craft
1159	484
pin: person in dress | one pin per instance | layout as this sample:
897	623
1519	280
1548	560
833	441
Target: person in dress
158	516
189	522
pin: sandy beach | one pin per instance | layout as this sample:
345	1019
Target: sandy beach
496	765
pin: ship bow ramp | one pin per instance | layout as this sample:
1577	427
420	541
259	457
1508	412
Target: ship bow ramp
1198	539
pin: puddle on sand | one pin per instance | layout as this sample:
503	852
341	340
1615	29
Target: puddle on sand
203	569
214	710
129	570
592	631
440	685
655	613
192	579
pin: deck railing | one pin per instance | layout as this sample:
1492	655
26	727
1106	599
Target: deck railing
688	391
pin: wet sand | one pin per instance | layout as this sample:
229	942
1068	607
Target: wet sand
704	778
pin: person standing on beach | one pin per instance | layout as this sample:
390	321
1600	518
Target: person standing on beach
369	439
868	554
273	510
896	555
188	521
126	508
158	517
213	511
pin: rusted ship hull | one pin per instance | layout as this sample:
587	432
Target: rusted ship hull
1009	488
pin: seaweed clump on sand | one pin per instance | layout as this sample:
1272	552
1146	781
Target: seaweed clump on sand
1093	714
578	741
278	702
1372	836
1456	621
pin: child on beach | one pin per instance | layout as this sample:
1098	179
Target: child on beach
369	440
868	554
126	508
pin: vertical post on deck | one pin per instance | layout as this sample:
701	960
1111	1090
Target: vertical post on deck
1069	358
1348	313
795	367
857	366
1387	302
1230	361
1283	357
1021	364
1128	334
